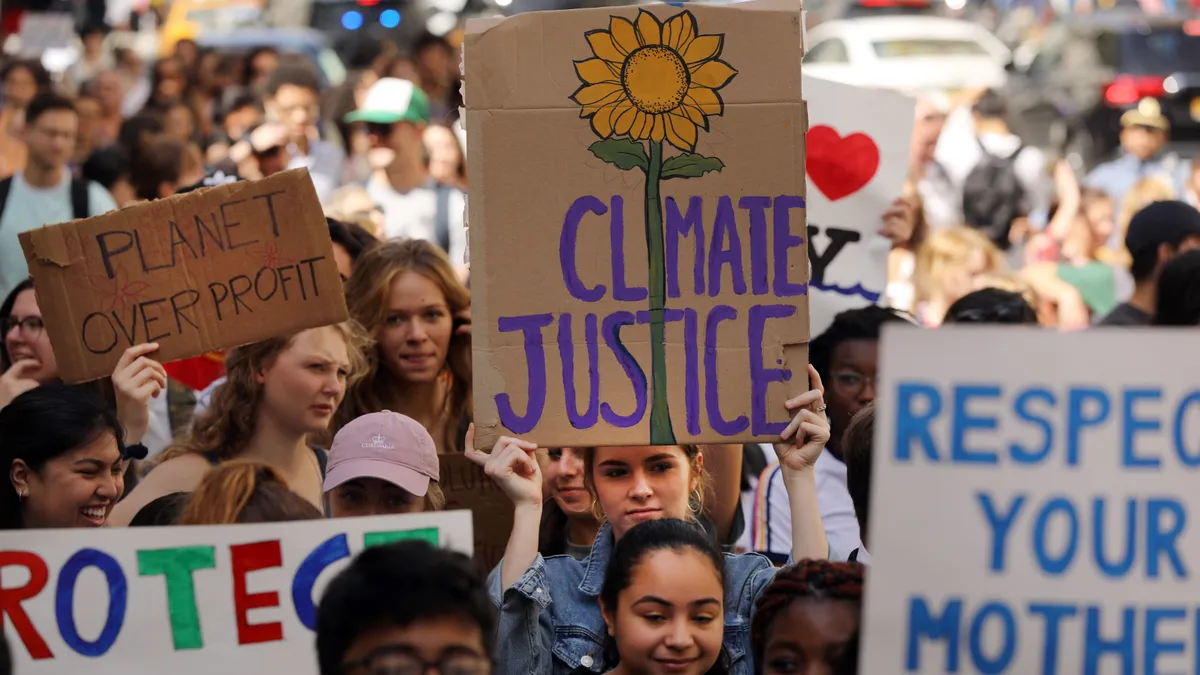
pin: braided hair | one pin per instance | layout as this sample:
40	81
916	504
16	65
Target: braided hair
807	580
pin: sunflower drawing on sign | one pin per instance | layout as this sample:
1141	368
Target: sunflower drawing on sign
651	84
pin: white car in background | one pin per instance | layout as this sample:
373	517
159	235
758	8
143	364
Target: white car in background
912	54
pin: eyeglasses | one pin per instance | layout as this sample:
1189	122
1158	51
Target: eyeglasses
400	660
378	129
31	326
851	383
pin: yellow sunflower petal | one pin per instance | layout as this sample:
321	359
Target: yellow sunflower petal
638	130
649	30
705	99
602	120
623	34
694	114
623	118
593	94
593	108
679	30
594	71
681	133
713	74
604	47
703	48
658	131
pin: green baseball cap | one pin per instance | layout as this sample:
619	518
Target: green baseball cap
392	100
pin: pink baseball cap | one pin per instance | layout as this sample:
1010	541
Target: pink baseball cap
387	446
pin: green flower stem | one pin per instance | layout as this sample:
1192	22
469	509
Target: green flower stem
661	432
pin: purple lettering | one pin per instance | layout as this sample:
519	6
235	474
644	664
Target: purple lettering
567	243
535	356
566	351
691	387
785	241
616	239
760	377
725	227
757	206
679	225
633	370
712	391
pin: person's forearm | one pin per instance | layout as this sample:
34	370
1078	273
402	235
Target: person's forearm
808	532
724	464
522	547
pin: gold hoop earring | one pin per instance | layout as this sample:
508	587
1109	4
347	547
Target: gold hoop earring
21	495
597	511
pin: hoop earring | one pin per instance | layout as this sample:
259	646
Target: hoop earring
694	503
597	511
21	496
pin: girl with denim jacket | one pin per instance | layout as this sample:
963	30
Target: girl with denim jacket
550	617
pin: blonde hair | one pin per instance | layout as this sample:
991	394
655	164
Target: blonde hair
1143	193
367	297
943	252
245	492
223	430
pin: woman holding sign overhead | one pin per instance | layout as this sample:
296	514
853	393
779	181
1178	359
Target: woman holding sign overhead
550	617
279	393
406	293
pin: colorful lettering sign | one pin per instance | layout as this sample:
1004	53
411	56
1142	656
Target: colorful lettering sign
1031	506
236	599
637	224
857	159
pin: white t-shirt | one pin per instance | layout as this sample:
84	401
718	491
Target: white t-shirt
414	214
772	523
325	162
28	208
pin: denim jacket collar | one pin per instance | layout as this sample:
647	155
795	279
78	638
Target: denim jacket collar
597	561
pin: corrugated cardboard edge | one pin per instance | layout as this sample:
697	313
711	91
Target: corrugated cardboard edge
486	429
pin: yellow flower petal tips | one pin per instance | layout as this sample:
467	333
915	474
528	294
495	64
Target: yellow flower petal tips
668	72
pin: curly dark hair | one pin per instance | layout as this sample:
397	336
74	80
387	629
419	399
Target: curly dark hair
812	580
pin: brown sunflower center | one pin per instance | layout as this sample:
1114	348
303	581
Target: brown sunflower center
655	78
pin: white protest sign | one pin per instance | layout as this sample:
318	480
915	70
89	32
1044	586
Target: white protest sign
1031	500
857	158
235	600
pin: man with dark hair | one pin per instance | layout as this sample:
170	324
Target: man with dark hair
406	608
991	305
44	193
846	356
437	67
1156	234
293	101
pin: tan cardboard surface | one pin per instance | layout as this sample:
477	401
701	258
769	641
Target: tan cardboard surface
206	270
467	487
622	129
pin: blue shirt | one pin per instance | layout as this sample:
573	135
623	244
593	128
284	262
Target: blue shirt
29	207
550	621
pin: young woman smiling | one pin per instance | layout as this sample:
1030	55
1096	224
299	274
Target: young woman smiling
280	392
663	601
63	451
406	294
550	619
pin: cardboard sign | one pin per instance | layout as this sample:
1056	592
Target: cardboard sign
196	272
467	487
1031	507
186	600
637	224
857	159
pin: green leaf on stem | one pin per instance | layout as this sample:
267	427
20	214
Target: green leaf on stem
621	153
690	165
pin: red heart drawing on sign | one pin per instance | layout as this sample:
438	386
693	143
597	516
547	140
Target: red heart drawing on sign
838	166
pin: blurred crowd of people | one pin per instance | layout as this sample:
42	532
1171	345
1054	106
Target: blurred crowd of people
982	209
615	560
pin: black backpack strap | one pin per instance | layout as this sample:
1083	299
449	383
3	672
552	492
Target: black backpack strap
443	216
5	187
79	199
